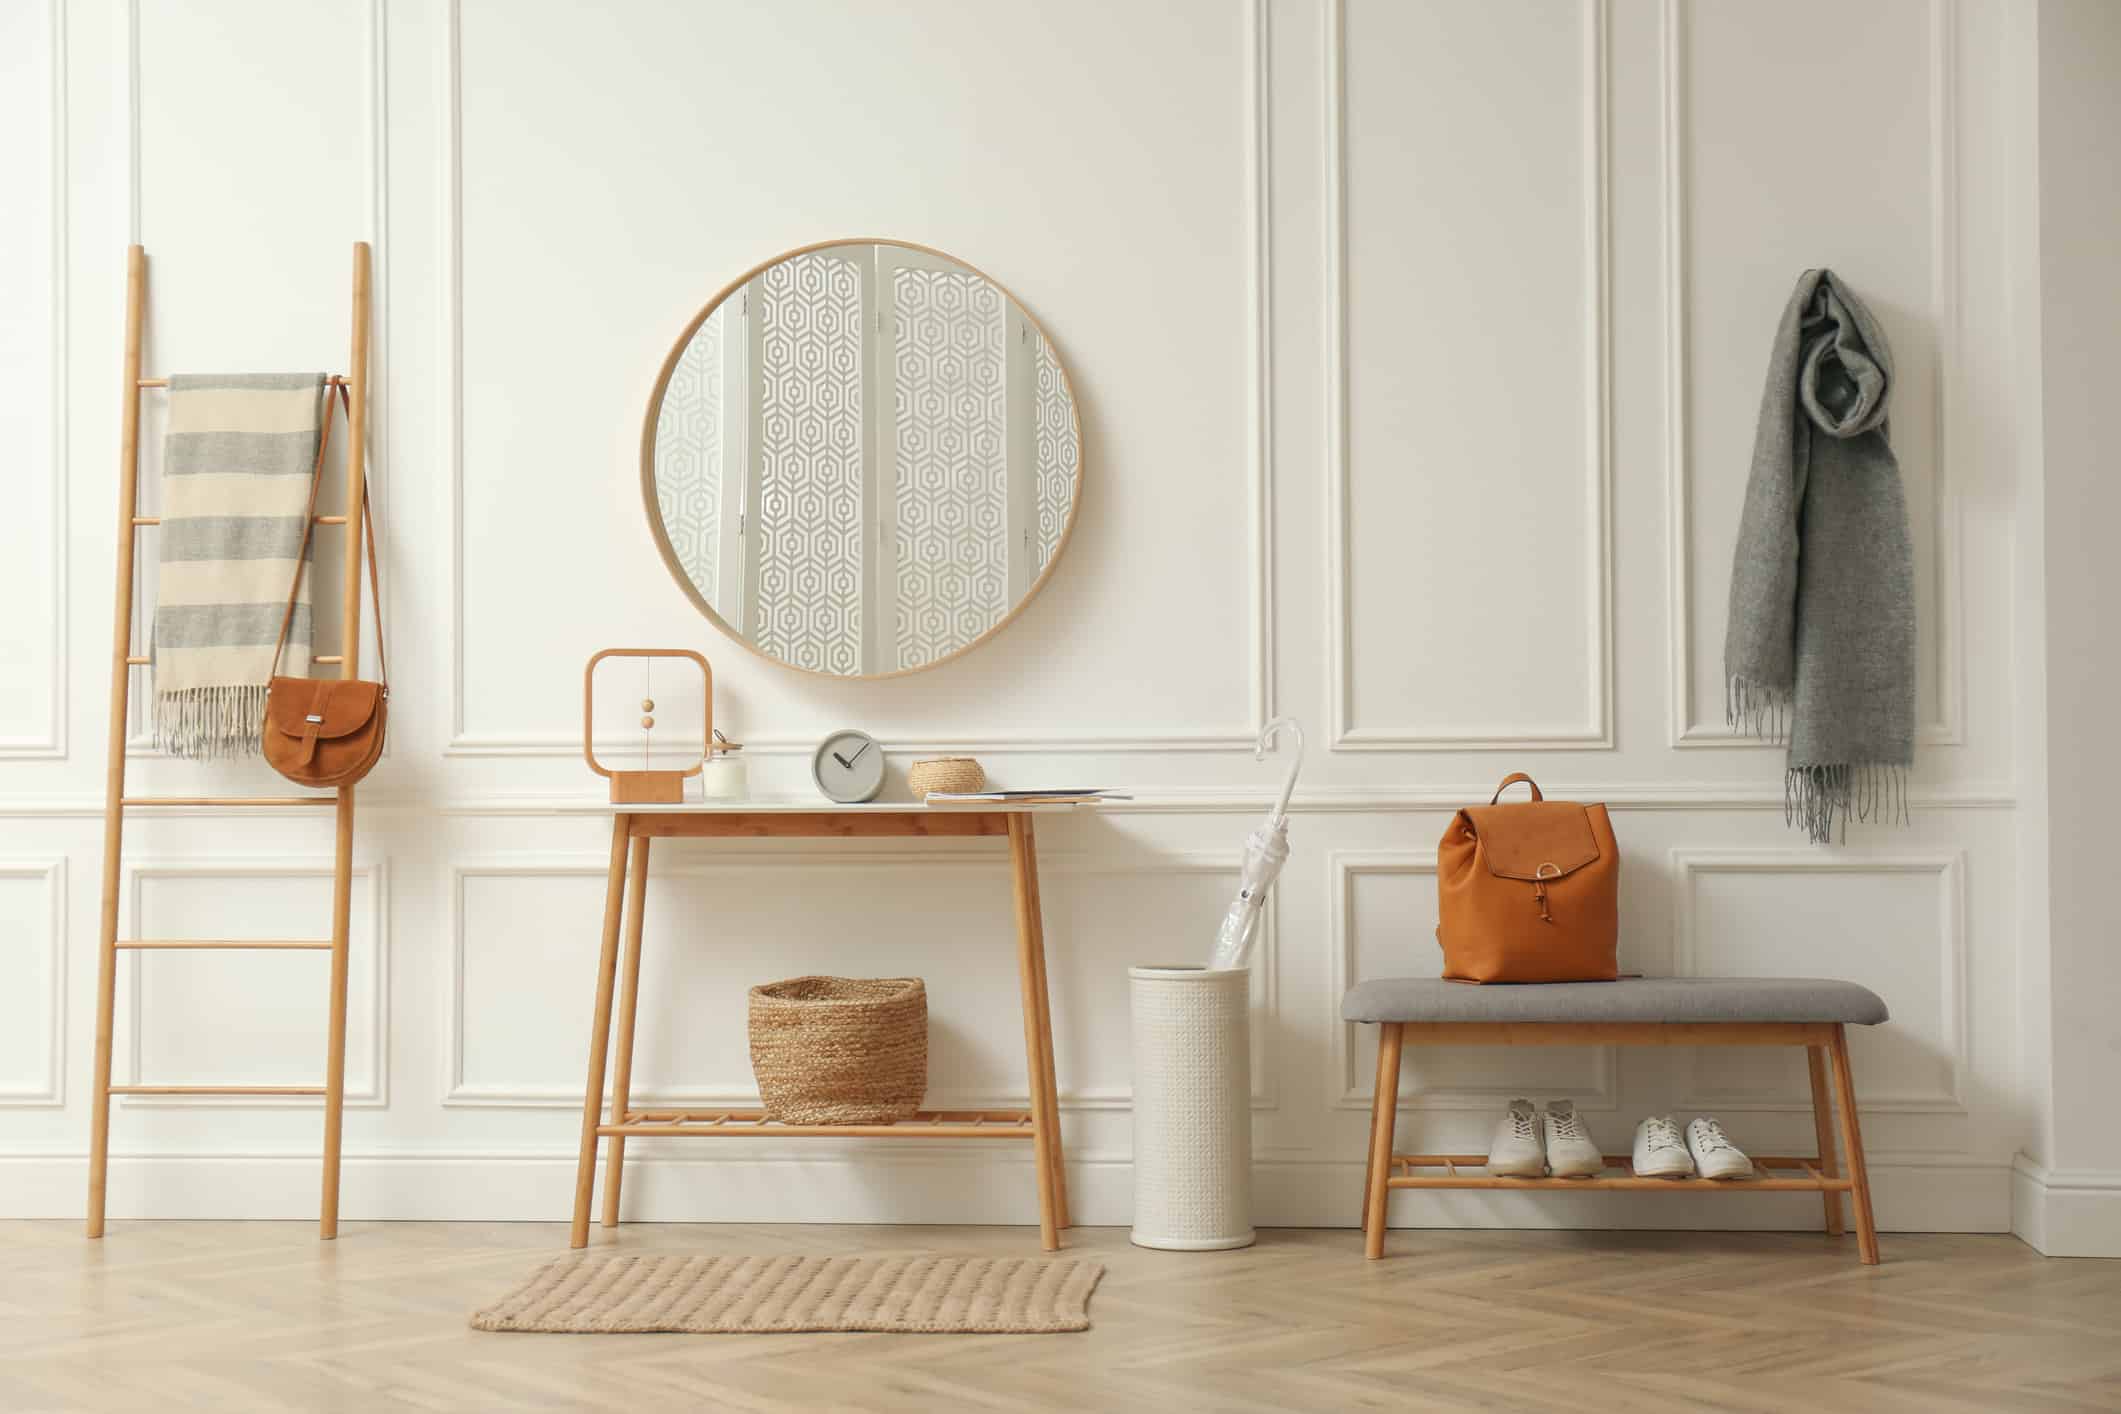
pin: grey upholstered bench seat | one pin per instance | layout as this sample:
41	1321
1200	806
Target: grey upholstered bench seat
1633	999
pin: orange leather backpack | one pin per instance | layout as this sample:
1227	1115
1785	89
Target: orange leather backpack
1529	892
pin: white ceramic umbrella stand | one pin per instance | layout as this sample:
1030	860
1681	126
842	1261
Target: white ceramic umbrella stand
1192	1107
1193	1064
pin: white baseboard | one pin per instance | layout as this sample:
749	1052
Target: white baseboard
2064	1212
1915	1195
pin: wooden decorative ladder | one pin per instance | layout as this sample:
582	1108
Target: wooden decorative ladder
117	802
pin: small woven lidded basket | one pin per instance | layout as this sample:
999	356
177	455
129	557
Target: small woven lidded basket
953	775
840	1050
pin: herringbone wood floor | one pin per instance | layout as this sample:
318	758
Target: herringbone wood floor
260	1316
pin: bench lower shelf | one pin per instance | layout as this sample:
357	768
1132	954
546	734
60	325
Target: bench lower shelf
1814	1180
753	1124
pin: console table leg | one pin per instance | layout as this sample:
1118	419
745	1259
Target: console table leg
629	998
1823	1130
1038	1039
585	1174
1045	1029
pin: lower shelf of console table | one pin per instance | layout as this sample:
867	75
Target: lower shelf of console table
753	1124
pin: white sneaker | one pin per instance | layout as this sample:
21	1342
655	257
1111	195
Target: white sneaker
1570	1152
1660	1152
1715	1155
1516	1151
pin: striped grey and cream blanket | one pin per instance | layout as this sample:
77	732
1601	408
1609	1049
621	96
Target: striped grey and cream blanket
236	468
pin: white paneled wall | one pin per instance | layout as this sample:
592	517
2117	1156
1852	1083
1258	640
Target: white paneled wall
1751	201
33	945
1418	348
1469	450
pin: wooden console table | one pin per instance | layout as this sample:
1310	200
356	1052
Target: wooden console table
634	827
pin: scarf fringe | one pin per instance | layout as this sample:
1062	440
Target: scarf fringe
1820	795
1755	708
209	723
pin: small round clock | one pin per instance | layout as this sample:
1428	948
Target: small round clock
849	767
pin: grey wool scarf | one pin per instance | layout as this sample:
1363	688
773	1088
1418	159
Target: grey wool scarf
1820	644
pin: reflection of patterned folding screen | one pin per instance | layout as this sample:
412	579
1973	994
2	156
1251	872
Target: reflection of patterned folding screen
809	450
688	456
1057	455
948	488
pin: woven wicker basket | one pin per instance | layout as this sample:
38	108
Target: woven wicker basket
952	774
840	1050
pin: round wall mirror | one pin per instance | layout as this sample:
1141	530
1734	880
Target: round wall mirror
862	458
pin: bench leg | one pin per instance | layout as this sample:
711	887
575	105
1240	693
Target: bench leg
1852	1145
1823	1132
1384	1109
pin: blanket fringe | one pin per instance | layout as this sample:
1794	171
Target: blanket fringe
1818	796
208	723
1756	708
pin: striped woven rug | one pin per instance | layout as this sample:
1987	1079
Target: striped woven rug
929	1295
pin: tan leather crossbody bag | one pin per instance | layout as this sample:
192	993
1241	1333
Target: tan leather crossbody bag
327	732
1529	892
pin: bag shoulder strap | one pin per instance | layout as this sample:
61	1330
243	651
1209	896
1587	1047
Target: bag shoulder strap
354	544
1512	779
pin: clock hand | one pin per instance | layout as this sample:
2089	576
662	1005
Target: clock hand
845	764
849	762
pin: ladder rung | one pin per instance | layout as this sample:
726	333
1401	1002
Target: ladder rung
144	944
328	658
333	381
136	662
320	520
228	800
217	1090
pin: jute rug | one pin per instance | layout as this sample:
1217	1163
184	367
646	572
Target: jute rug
935	1295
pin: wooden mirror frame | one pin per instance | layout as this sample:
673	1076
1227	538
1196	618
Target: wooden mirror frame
654	509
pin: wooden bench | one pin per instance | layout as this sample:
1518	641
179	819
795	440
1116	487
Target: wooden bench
1657	1011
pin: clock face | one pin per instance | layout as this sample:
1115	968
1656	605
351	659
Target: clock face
849	767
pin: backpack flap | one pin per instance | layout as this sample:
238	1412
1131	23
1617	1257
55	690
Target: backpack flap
1549	839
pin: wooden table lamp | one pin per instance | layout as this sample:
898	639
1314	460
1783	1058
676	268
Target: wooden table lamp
647	787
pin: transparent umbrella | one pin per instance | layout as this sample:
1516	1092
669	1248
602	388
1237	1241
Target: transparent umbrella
1266	850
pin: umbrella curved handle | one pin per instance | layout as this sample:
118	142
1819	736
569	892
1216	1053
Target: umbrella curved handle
1259	753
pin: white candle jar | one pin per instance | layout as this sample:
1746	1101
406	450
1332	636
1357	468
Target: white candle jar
723	775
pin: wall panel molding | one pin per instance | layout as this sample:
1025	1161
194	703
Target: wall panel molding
51	743
1950	958
1347	1090
1708	797
48	1091
371	953
1256	202
829	858
1686	730
1596	732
